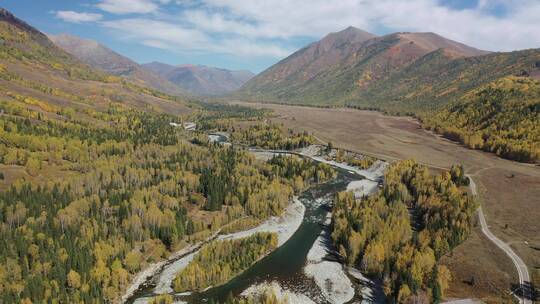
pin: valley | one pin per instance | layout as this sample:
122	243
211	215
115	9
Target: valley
397	167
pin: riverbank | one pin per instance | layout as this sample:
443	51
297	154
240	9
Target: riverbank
328	273
153	269
276	289
374	173
284	225
322	264
362	188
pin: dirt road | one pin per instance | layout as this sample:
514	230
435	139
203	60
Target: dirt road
523	271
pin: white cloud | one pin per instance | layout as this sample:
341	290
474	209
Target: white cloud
154	30
274	28
174	37
75	17
218	23
130	6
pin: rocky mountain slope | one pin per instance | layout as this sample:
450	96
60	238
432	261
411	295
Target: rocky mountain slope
201	80
357	68
105	59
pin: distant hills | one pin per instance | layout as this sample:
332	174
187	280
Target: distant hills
400	72
175	80
199	79
105	59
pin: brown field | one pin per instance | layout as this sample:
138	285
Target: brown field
492	280
509	191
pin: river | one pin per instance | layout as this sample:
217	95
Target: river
286	264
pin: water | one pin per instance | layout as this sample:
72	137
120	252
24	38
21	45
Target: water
284	265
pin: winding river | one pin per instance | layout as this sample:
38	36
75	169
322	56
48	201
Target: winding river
286	264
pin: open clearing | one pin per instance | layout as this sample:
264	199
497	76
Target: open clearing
508	191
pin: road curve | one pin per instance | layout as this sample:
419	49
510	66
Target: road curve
523	272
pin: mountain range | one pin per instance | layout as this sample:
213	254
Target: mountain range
199	79
174	80
399	72
419	74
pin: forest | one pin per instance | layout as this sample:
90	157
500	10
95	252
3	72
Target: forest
502	117
219	261
300	171
91	197
400	233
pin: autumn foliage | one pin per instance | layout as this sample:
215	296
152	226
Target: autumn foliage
502	117
400	233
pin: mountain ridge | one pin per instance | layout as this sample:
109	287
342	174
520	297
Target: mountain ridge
101	57
346	65
201	79
8	17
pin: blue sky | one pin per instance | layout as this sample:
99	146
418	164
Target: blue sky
254	34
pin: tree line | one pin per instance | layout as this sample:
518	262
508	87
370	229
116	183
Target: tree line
271	136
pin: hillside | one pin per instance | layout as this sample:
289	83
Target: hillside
437	79
105	59
502	117
201	80
35	70
308	62
341	64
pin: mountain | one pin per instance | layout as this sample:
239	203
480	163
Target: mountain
316	58
36	72
438	79
336	67
485	100
294	74
103	58
201	80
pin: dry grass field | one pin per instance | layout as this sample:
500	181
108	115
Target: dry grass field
509	191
